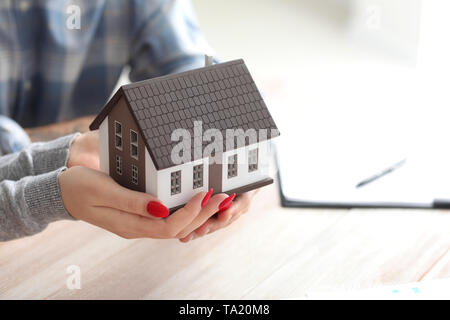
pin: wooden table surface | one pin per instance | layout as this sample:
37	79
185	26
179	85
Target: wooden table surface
271	252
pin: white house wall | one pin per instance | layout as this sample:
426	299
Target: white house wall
243	176
151	175
104	145
187	191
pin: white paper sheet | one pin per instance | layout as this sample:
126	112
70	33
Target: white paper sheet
359	125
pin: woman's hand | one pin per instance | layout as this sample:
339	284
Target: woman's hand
84	151
223	219
94	197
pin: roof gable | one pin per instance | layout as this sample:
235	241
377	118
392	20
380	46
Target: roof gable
222	96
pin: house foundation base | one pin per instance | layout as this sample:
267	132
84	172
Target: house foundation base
238	191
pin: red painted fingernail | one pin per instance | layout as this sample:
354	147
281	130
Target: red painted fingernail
225	204
157	209
207	197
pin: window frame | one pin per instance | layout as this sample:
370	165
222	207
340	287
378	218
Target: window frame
134	144
119	170
197	182
232	167
252	167
134	174
118	135
175	189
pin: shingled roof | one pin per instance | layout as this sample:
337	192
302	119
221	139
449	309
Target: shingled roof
222	96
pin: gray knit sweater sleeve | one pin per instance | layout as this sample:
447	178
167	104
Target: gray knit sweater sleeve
30	197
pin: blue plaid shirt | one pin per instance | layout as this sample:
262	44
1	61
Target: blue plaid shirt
61	59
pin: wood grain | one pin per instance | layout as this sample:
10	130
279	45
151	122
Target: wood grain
271	252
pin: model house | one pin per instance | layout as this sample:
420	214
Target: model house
136	126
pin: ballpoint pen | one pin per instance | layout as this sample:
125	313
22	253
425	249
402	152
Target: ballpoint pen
381	174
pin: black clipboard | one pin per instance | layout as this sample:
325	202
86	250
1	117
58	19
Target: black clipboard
304	203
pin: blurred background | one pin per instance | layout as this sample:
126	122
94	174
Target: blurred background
345	75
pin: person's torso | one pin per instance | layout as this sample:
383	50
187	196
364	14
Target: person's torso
60	60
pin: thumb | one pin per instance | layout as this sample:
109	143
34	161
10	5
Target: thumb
136	202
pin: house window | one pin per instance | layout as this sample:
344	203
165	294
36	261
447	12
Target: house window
118	134
134	144
198	176
253	160
134	174
175	182
119	165
232	166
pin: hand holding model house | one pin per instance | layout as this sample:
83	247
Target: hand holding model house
185	143
180	134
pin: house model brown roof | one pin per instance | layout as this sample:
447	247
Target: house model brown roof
222	96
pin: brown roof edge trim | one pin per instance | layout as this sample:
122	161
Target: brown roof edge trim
106	109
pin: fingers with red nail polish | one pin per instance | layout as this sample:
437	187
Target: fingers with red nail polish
239	205
207	197
157	209
207	208
225	204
